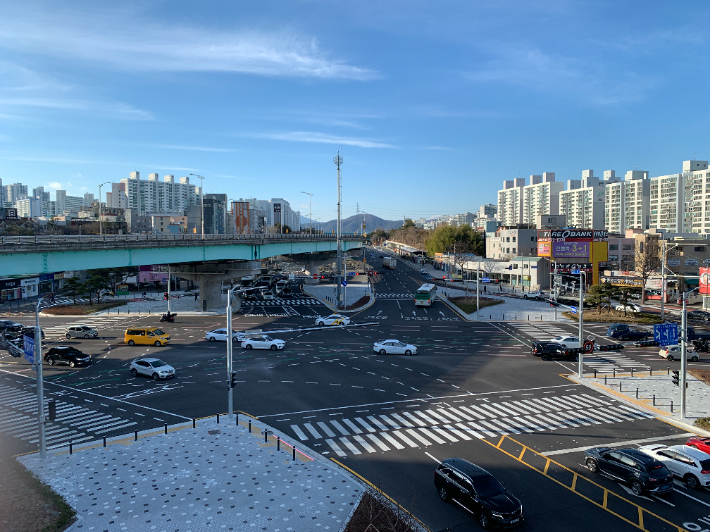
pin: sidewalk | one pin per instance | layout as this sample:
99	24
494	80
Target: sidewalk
216	476
660	385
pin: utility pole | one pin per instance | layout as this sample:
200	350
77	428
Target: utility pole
202	202
338	160
310	210
582	281
663	279
101	228
40	383
230	350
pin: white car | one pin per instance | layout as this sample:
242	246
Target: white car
220	335
688	463
534	295
263	342
672	352
423	271
394	347
568	341
333	319
631	307
81	331
152	367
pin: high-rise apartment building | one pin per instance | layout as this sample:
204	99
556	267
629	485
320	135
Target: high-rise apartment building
88	200
696	188
14	192
541	196
152	195
40	194
510	202
583	201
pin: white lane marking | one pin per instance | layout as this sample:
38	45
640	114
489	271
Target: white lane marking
617	444
326	429
430	456
350	446
444	433
404	438
336	448
416	436
377	442
340	428
369	448
299	432
353	426
390	422
690	497
392	441
377	422
364	424
402	420
312	430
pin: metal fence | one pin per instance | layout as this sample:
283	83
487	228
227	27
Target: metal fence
60	239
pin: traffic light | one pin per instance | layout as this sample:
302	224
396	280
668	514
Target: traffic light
444	277
165	296
52	404
676	377
232	381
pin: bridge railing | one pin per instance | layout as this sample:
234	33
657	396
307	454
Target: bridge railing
60	239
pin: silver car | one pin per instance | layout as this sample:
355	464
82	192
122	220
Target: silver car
81	331
153	368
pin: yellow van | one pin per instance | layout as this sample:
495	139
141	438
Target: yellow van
146	336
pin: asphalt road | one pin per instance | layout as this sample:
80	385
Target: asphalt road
473	391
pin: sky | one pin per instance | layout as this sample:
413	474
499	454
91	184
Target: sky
432	105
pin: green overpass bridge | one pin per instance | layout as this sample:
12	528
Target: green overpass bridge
207	260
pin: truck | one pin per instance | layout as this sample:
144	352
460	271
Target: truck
389	262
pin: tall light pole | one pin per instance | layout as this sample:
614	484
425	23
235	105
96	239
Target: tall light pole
40	382
310	210
202	202
230	350
338	160
582	282
101	230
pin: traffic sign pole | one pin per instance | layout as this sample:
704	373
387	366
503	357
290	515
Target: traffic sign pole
580	357
683	356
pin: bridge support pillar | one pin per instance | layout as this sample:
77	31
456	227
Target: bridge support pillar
210	291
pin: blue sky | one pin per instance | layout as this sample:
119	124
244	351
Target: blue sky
432	104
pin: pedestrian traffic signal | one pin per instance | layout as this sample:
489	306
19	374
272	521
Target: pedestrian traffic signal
232	381
676	377
165	295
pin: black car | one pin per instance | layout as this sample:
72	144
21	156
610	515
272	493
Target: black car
30	332
550	351
67	355
621	331
641	472
699	315
478	492
9	325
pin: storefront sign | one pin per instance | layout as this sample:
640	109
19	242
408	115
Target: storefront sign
570	249
704	281
691	262
674	262
579	235
29	282
623	281
543	249
8	284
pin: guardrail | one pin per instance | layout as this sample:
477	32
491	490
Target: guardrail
61	239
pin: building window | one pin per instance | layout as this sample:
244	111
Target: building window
613	247
513	239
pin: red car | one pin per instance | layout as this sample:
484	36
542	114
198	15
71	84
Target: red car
700	443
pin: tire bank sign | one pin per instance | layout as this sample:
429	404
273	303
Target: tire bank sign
575	245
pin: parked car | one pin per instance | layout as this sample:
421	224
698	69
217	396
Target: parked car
630	307
423	271
477	491
534	295
333	319
571	342
699	442
153	368
263	342
394	347
641	472
66	355
687	463
621	331
29	332
81	331
550	351
699	315
672	352
220	335
9	324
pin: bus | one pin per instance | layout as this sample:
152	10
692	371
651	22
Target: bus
425	295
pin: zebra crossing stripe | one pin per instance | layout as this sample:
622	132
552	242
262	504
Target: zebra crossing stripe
403	421
432	435
414	418
438	416
377	423
392	441
299	432
92	421
340	428
448	416
466	429
353	426
369	448
505	425
312	430
377	442
390	422
491	426
336	448
445	433
364	424
350	446
457	432
326	429
63	441
416	436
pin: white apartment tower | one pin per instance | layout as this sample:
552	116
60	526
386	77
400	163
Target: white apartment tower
153	195
583	201
696	208
510	202
541	196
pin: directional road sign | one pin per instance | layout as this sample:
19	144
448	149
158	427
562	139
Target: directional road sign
575	272
574	310
28	346
345	283
486	279
666	333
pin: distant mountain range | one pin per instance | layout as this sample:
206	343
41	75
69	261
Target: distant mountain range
354	223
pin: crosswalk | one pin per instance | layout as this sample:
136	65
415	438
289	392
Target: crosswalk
604	362
393	295
18	418
291	302
445	424
97	322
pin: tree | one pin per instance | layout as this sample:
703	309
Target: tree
647	260
408	223
74	287
601	294
95	284
624	293
444	238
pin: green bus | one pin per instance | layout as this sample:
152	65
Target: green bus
425	295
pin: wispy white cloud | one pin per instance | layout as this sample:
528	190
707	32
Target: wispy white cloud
125	41
440	148
107	109
322	138
191	148
54	185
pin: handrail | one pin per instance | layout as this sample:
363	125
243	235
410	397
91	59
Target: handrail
57	239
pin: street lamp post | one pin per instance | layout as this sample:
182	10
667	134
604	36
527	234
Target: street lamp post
230	350
202	202
40	383
684	352
310	210
582	282
101	230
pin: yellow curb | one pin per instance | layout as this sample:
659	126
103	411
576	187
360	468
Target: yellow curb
631	400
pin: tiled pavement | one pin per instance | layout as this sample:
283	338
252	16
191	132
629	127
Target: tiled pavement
213	477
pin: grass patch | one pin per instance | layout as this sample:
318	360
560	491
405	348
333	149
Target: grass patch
701	374
359	303
375	512
81	310
468	305
703	423
615	316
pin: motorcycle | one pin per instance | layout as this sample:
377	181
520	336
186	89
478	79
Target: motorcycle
167	318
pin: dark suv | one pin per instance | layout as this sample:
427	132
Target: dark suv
621	331
550	351
641	472
477	491
67	355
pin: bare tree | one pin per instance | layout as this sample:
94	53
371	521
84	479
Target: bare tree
647	259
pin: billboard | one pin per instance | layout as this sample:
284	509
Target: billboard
570	249
579	235
543	249
704	282
240	209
